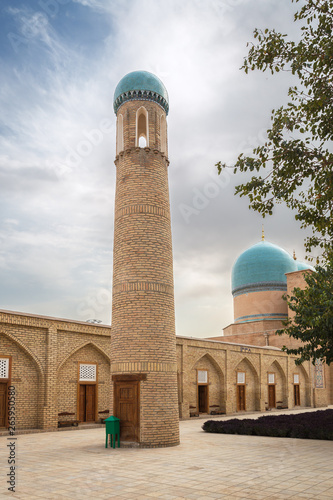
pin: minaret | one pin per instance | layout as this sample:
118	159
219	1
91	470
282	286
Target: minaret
143	341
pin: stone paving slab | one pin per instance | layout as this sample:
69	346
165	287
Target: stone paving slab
72	465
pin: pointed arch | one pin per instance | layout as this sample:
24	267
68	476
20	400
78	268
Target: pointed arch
27	351
142	126
74	351
275	364
304	373
210	358
250	365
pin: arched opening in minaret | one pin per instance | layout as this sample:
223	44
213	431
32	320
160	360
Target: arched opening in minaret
142	135
142	142
163	134
120	134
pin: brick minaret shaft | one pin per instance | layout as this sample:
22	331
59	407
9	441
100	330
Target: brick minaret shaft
143	341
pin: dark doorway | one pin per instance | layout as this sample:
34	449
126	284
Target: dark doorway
126	408
297	397
271	396
241	398
3	404
203	398
87	405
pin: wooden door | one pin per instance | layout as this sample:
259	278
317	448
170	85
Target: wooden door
241	398
203	398
297	398
126	408
271	396
87	403
3	404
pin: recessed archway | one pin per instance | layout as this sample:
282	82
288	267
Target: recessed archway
246	376
207	388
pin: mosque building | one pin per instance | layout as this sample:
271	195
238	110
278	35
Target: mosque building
65	372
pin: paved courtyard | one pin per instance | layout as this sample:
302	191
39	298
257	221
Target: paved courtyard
75	464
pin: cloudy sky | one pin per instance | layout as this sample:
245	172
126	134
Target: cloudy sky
60	63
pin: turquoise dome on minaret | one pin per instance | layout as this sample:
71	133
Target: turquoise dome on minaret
141	85
262	267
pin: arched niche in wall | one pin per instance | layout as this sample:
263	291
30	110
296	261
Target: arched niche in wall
247	386
163	134
120	134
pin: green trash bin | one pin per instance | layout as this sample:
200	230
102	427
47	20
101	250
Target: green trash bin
112	429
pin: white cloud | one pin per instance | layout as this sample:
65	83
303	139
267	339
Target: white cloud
56	165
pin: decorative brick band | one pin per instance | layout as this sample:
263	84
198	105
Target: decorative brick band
145	366
141	209
144	286
259	287
137	149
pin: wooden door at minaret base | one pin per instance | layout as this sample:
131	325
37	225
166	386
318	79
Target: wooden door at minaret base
126	408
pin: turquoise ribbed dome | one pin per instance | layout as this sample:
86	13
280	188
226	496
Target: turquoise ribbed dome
141	85
262	267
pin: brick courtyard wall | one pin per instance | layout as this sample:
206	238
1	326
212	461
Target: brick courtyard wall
43	391
41	347
226	359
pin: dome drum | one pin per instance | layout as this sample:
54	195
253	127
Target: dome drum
259	287
140	96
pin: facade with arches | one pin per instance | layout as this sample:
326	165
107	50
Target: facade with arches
63	367
220	377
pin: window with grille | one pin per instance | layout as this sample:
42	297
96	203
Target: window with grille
271	378
202	377
87	373
240	377
4	367
296	378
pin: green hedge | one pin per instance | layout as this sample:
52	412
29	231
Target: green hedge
308	425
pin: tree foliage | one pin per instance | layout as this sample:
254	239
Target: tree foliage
295	165
313	320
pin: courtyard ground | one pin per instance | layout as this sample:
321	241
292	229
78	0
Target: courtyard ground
75	464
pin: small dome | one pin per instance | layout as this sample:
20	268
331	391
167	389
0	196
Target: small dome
302	266
141	85
262	267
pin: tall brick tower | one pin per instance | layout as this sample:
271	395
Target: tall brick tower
143	342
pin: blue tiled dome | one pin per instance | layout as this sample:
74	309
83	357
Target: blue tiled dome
301	266
262	267
141	85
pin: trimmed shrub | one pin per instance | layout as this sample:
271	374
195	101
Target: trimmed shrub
309	425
